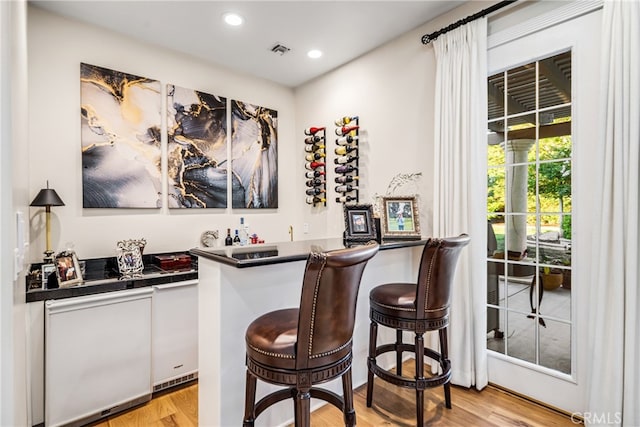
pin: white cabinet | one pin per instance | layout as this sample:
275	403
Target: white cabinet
175	333
98	355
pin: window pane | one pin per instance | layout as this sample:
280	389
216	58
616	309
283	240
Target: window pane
555	345
521	89
495	152
495	190
520	336
555	80
522	128
496	95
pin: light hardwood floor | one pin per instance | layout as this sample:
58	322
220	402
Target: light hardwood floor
392	406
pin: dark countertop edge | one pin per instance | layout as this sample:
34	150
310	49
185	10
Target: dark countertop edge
245	263
110	286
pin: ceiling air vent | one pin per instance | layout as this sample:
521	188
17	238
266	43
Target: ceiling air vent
281	49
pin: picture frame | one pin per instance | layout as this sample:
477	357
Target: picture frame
359	223
67	269
47	270
129	258
400	218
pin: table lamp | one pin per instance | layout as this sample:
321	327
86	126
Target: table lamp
48	197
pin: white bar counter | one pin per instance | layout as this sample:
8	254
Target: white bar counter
239	283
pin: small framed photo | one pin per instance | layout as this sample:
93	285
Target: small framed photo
400	218
47	270
129	258
67	269
359	224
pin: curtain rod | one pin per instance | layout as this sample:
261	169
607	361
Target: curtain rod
428	38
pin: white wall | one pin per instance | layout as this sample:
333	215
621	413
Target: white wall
391	89
56	48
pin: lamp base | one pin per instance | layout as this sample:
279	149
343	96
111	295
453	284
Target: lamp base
48	257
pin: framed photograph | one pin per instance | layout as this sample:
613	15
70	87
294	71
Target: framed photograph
400	218
67	269
359	224
47	270
129	258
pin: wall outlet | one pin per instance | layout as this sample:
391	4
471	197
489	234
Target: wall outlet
305	228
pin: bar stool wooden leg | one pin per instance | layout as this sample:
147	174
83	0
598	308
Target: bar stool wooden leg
303	409
419	348
399	352
444	354
250	401
373	335
347	392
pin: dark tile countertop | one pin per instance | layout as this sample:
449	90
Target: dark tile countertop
266	254
101	275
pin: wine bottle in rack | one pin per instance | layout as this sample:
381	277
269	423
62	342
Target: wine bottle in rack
313	165
344	199
345	188
313	139
344	159
314	156
313	174
341	131
312	200
314	182
344	149
345	120
345	140
312	130
345	179
345	169
314	191
310	148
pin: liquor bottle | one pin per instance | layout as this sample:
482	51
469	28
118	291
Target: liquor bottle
228	241
345	199
314	182
313	174
315	199
345	120
344	159
313	147
312	130
346	178
314	156
341	131
345	188
313	165
345	169
314	191
346	140
244	232
345	149
313	139
236	239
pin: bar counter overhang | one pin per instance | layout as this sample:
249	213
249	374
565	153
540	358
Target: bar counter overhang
239	283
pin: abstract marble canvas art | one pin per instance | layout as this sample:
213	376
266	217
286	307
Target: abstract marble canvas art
120	135
254	151
197	149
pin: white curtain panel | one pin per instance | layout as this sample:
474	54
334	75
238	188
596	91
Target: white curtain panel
459	189
614	389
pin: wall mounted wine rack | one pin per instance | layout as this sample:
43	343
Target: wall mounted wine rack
315	158
347	160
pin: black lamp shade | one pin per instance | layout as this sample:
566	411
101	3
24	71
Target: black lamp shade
47	197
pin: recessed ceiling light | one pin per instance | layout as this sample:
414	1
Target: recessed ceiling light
233	19
314	53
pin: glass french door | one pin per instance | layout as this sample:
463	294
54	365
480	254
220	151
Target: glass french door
541	90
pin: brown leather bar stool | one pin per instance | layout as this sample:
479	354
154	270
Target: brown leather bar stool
416	307
300	347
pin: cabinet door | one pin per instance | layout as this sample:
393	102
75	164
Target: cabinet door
98	354
175	333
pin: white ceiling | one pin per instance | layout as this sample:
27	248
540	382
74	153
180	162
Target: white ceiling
343	30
